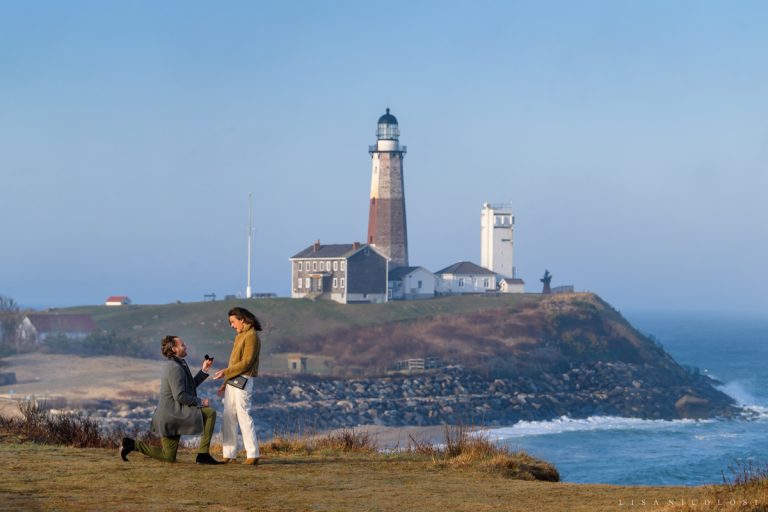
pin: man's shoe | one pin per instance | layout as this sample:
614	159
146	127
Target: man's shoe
205	458
127	446
229	461
252	462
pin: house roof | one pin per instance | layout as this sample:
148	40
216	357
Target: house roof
510	280
321	251
117	298
467	268
62	323
400	272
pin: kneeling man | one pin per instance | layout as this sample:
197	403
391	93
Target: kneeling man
179	410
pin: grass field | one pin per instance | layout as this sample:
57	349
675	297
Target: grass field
37	477
204	325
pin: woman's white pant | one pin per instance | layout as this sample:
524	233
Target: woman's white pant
237	404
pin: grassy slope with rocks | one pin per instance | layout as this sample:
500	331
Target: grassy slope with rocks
527	330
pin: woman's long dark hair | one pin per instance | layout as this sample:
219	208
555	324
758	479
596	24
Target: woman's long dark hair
246	316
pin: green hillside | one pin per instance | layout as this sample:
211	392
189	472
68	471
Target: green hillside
531	330
204	325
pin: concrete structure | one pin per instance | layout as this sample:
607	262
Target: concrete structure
411	283
297	363
497	230
37	327
346	273
387	230
465	277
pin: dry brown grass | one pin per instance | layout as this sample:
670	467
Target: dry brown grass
342	441
34	422
463	447
43	477
746	490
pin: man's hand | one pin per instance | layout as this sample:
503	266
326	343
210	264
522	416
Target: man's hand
205	402
207	363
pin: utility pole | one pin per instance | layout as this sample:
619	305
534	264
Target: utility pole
250	237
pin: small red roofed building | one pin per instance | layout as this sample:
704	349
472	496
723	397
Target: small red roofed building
117	300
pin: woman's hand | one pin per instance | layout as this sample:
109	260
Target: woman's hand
219	374
220	392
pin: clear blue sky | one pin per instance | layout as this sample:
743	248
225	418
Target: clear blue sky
631	138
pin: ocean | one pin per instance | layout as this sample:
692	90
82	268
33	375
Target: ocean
624	451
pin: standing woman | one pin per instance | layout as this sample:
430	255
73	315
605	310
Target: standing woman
243	363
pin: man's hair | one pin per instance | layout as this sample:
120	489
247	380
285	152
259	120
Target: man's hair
167	344
245	316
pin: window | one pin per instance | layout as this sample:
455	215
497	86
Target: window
343	266
300	283
335	266
342	282
300	266
419	284
328	266
335	283
306	283
461	282
322	266
314	265
486	282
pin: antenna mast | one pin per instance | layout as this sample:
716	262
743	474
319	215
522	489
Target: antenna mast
250	235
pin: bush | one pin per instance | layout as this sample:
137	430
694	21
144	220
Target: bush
345	440
463	448
100	344
38	425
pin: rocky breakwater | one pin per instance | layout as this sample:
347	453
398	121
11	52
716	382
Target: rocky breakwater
456	395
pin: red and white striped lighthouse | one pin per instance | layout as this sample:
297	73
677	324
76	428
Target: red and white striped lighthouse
387	230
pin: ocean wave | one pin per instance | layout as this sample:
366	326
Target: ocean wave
565	424
738	391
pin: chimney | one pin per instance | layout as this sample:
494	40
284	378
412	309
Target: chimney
355	246
316	246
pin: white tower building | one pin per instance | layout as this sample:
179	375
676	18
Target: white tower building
497	230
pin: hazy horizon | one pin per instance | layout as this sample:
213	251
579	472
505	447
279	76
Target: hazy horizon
630	139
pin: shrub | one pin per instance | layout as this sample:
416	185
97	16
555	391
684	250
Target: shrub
463	448
100	344
37	424
345	440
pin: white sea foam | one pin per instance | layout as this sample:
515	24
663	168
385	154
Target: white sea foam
738	391
565	424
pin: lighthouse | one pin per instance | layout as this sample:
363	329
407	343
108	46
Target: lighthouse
387	230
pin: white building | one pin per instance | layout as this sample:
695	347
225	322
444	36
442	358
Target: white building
497	230
511	285
465	277
411	283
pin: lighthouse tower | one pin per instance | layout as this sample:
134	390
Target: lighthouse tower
386	219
